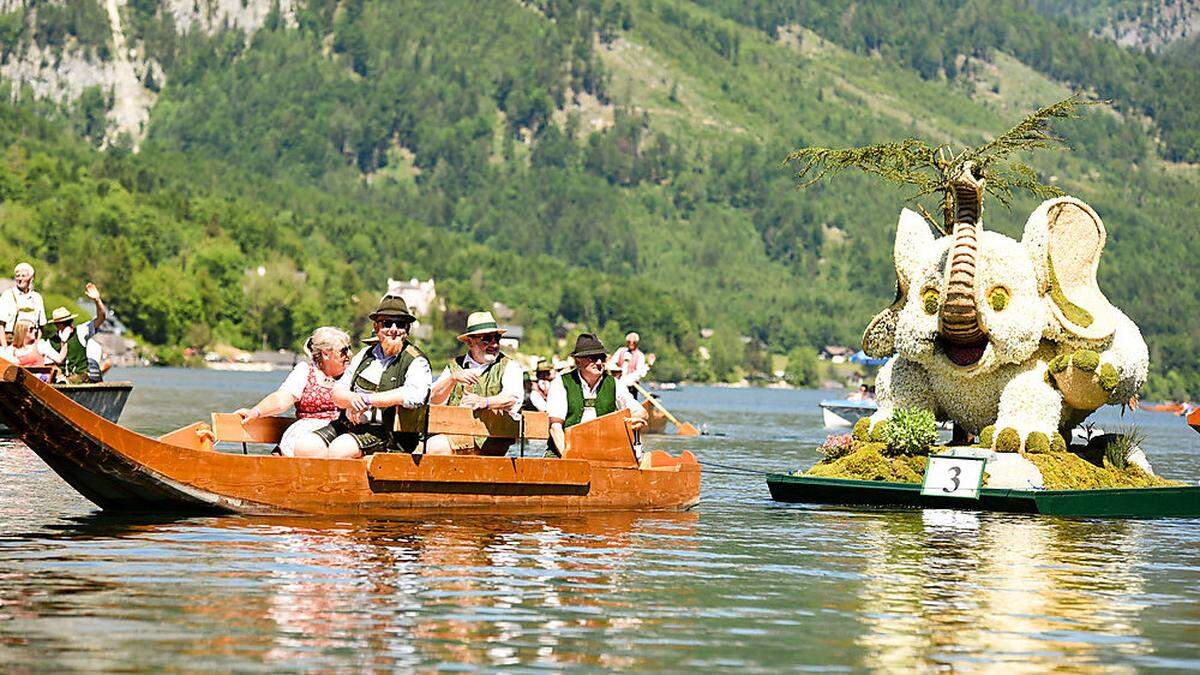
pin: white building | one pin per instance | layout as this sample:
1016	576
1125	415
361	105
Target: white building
420	296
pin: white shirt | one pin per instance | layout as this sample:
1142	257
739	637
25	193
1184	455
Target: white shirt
537	397
17	305
632	364
417	378
556	403
512	382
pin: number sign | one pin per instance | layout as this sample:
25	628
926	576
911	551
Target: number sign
953	476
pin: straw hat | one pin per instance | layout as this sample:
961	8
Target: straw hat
60	315
480	323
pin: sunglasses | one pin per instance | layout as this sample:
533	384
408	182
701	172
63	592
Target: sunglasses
490	338
394	323
345	351
591	358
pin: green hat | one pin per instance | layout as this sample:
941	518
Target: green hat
588	344
392	307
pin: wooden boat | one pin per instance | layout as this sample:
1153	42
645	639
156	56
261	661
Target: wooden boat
656	420
106	399
1193	419
1173	408
121	470
1159	502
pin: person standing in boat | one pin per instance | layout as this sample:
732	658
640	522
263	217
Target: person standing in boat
309	387
630	361
587	392
390	373
75	366
482	379
21	302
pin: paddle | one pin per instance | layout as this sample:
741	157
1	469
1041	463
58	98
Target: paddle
681	428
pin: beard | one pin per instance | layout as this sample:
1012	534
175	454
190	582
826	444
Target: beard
391	346
484	358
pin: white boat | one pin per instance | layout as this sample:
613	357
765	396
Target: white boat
844	413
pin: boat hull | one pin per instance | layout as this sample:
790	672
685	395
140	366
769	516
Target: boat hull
106	399
120	470
1162	502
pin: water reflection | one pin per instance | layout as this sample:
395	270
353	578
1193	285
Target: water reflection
949	588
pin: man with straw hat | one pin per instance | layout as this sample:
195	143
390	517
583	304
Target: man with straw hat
77	368
392	372
587	392
481	379
539	390
20	302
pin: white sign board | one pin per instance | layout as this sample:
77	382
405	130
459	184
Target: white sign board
953	476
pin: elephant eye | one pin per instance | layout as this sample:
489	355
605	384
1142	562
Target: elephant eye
998	298
929	300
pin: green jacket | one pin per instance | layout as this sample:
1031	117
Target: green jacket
604	403
392	378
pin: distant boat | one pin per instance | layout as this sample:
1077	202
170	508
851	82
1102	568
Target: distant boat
106	399
844	412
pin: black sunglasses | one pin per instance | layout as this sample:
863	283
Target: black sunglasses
489	338
395	323
591	357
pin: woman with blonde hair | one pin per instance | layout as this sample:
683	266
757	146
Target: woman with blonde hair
28	350
308	387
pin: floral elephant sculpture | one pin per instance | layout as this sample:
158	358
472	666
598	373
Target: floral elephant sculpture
1011	340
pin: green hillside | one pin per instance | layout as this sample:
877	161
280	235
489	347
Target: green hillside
605	163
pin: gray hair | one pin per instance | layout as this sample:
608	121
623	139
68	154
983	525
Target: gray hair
24	266
324	338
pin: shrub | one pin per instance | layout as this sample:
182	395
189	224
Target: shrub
910	432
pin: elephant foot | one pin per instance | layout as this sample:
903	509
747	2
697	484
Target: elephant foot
1003	438
1083	378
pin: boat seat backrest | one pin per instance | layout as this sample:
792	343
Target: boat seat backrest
228	428
605	440
457	420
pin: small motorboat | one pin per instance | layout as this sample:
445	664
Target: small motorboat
844	412
601	469
1148	502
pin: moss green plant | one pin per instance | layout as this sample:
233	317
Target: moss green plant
1058	443
1086	359
879	432
1059	363
929	300
998	298
868	462
910	432
1008	440
1037	442
862	429
985	436
1069	471
1074	313
1108	377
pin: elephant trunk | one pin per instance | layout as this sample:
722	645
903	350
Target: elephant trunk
959	316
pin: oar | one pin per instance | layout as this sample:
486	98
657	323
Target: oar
681	428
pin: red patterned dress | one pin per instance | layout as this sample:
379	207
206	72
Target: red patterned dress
313	391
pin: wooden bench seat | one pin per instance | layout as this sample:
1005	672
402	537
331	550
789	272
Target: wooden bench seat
457	420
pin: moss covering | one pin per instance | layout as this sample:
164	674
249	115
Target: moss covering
1058	443
1086	359
1008	440
1069	471
985	436
1037	442
998	298
1073	312
929	300
1059	363
1108	377
879	432
868	462
862	429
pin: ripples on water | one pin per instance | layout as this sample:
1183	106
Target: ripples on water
739	583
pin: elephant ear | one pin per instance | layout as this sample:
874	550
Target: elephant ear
1065	238
913	240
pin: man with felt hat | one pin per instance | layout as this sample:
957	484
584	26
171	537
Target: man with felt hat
76	366
587	392
482	379
392	372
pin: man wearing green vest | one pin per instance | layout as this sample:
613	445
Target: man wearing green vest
587	392
481	379
392	372
75	366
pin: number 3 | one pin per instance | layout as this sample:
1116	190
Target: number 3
955	472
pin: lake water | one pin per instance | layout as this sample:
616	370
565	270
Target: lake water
740	583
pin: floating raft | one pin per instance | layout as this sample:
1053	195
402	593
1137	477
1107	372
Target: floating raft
1158	502
120	470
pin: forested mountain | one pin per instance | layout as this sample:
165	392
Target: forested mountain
608	163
